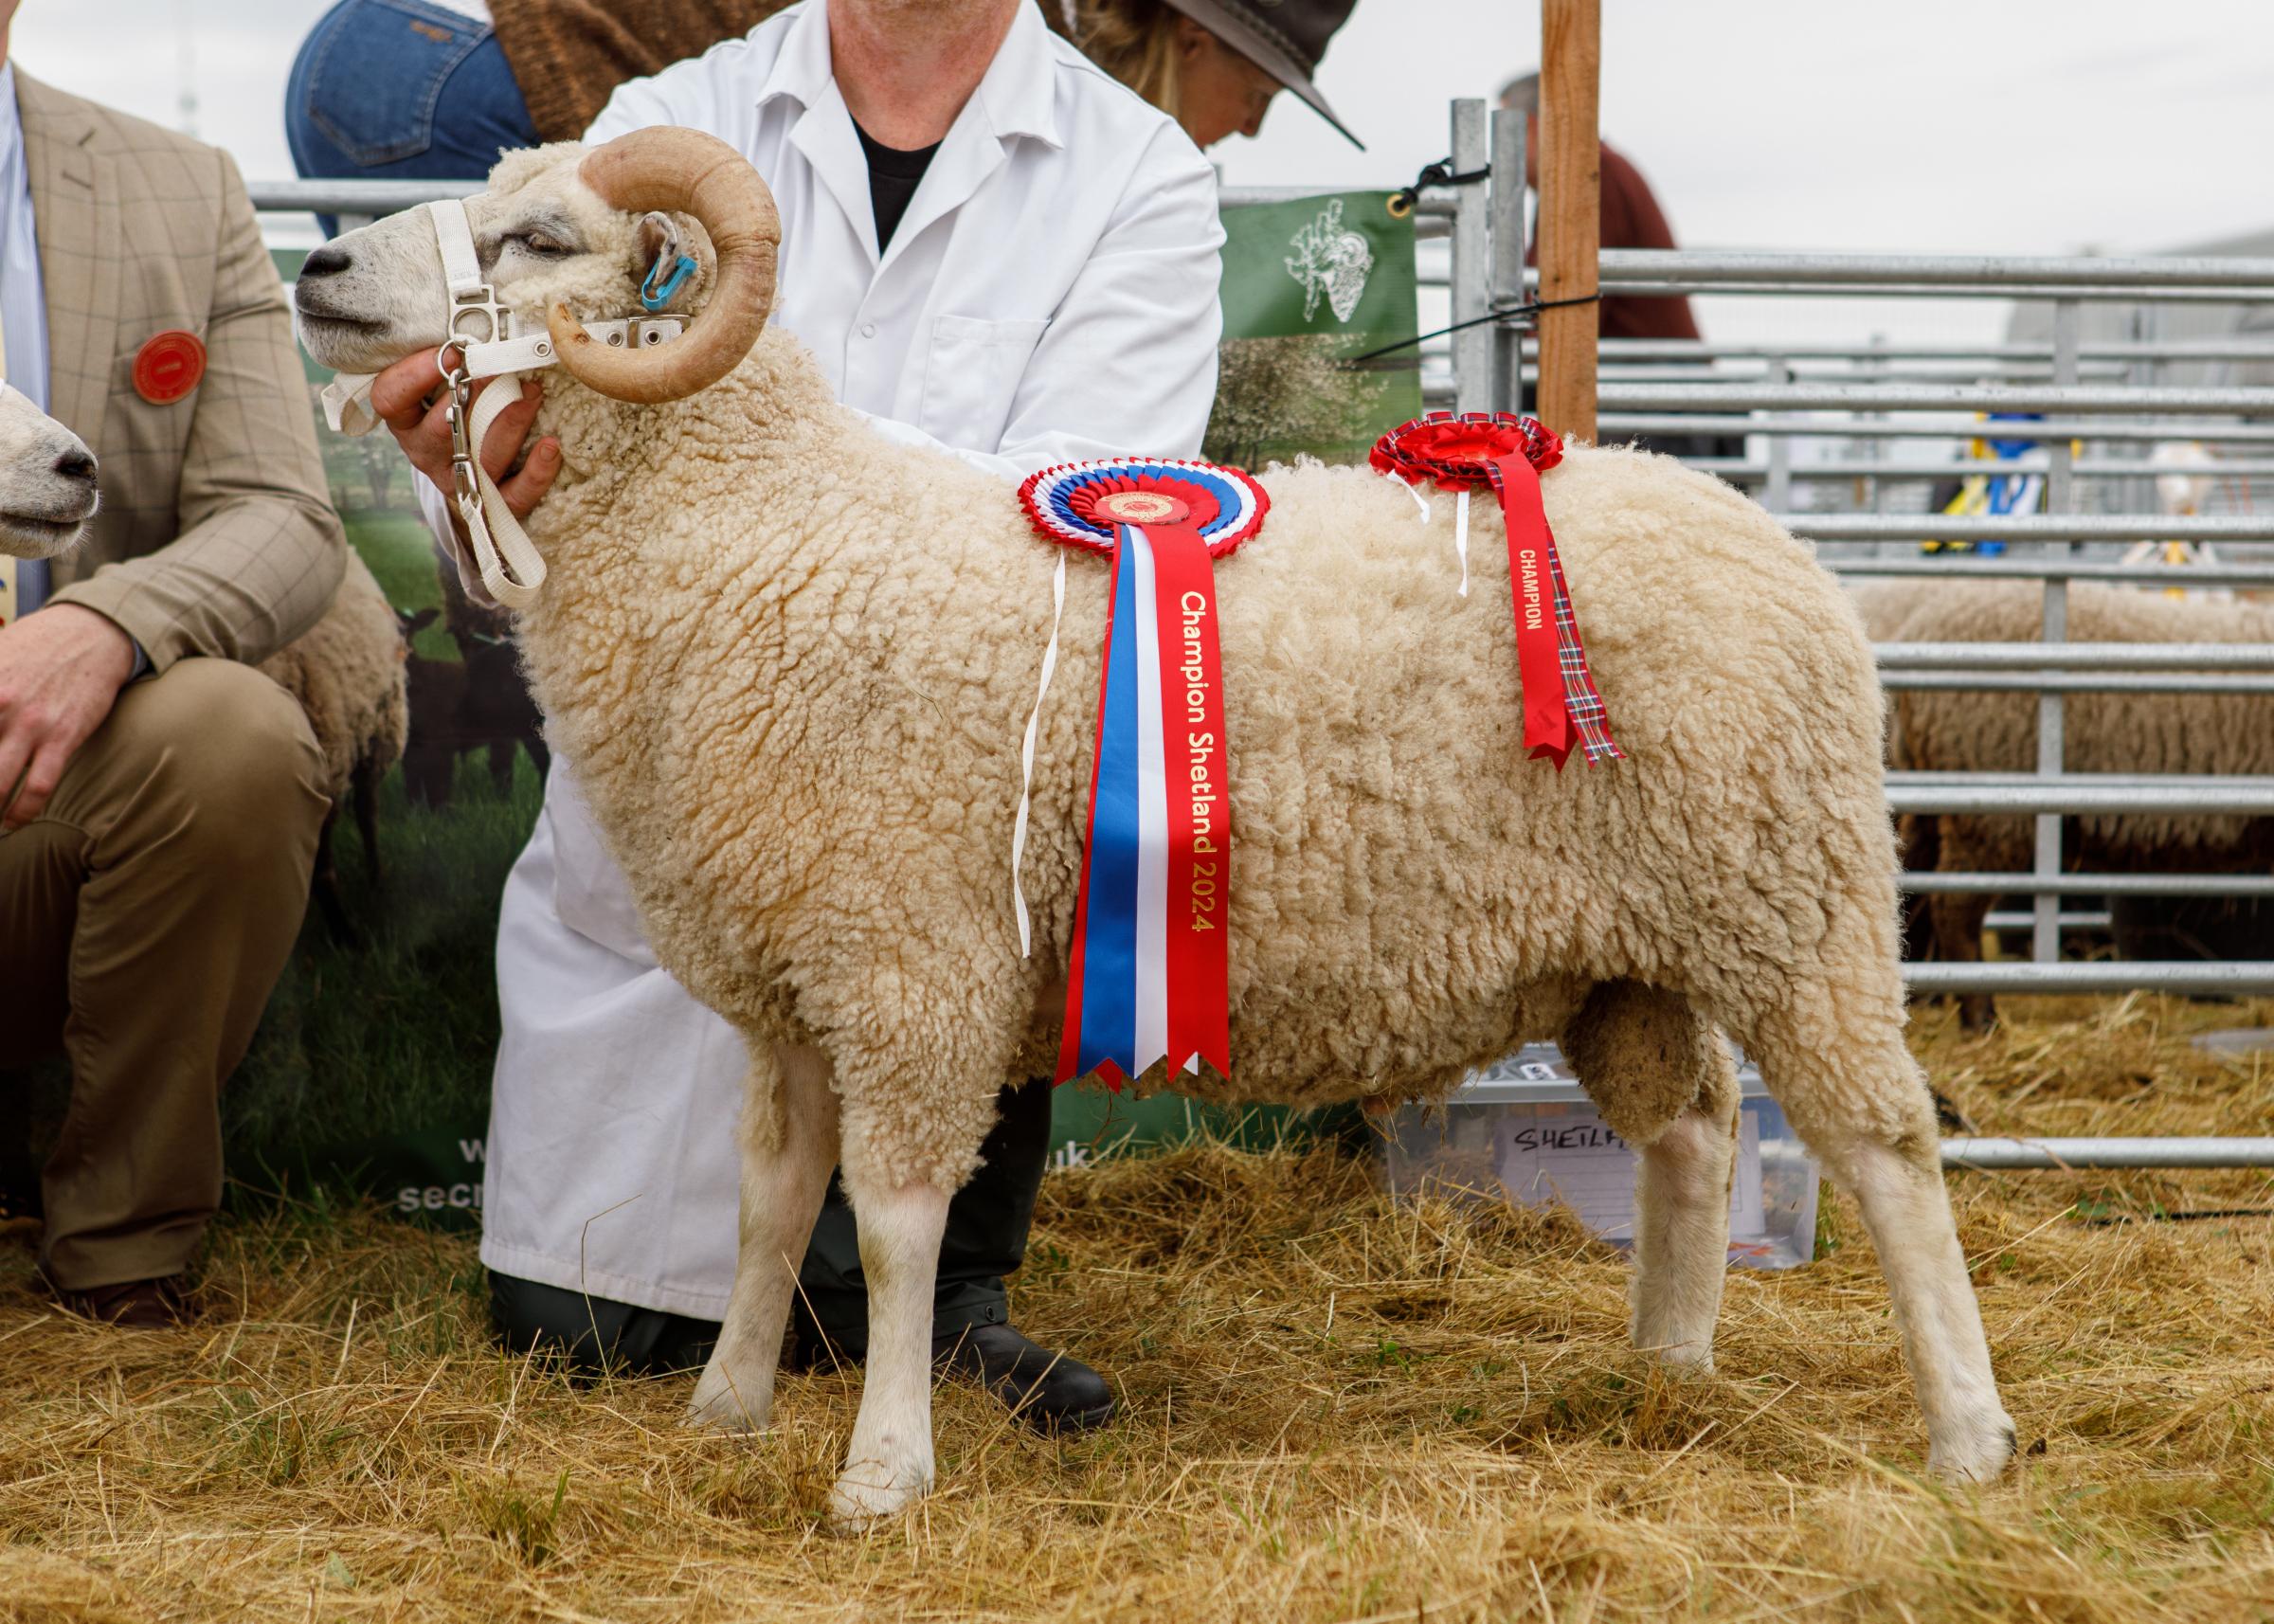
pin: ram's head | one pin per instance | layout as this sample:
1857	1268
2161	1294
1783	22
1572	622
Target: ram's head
567	235
46	481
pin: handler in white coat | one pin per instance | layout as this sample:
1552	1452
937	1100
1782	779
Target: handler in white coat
1038	286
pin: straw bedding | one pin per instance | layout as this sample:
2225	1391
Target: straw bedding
1335	1409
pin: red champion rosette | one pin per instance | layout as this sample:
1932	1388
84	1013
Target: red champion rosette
1509	454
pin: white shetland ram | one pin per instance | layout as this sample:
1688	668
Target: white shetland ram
47	489
790	664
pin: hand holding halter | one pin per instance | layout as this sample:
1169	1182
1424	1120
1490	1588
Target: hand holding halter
512	571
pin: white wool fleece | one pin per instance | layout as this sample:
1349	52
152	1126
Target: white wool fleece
791	667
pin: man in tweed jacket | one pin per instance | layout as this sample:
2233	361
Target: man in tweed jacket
158	796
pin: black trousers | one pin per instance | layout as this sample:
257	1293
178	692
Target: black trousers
987	1224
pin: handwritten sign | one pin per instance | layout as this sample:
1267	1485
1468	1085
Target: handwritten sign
1566	1155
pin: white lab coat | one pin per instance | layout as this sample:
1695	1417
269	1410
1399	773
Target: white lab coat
1050	295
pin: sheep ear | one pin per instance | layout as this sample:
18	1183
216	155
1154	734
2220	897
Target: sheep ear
661	243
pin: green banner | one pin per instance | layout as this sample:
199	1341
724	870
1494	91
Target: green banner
1310	287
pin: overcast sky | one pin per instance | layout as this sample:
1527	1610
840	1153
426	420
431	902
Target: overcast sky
2009	126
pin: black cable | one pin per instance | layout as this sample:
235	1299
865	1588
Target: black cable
1439	173
1503	314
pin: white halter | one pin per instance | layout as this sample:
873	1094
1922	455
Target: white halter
493	351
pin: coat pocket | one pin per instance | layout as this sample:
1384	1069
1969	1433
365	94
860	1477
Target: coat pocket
971	377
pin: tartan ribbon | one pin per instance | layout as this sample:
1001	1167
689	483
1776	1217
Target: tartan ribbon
1562	708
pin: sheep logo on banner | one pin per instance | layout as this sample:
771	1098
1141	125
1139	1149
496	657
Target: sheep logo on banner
1331	260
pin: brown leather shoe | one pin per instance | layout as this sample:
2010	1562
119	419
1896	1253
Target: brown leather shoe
135	1304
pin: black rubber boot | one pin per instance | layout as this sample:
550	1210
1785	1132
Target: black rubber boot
1048	1391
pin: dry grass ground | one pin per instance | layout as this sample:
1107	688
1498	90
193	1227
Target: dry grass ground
1335	1409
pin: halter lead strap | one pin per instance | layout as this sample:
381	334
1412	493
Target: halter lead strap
490	347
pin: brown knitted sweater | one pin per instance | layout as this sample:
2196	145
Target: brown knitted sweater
569	56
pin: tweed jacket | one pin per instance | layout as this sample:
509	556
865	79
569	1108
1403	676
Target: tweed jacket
216	536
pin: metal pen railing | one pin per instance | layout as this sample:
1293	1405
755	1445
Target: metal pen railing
1762	398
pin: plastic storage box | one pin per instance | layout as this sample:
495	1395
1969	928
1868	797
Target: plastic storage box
1524	1131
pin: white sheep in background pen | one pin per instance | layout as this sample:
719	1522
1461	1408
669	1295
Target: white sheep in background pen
47	489
346	671
1938	730
791	663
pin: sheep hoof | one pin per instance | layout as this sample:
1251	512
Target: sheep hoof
1978	1015
1977	1453
722	1409
868	1494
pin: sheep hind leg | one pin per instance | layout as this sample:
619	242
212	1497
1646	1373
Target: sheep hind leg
1664	1079
789	1138
1834	1059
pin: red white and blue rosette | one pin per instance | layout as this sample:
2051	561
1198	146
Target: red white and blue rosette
1089	504
1507	454
1147	974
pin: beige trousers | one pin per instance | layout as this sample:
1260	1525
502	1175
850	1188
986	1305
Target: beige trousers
144	918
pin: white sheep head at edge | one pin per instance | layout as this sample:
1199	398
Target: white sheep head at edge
567	234
47	489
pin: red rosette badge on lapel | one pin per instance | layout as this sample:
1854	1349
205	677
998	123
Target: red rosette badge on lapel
1148	975
1476	450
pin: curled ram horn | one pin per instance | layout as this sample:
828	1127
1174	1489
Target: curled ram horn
682	172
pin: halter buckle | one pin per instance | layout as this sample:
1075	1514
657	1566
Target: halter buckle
482	302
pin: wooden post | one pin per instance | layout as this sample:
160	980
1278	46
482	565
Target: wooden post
1571	164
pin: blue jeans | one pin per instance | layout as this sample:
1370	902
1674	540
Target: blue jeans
401	89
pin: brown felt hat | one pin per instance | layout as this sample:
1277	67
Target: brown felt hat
1285	38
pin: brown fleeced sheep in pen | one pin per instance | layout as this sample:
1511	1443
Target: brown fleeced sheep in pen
1933	731
347	673
790	664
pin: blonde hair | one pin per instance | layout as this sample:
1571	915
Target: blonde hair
1135	40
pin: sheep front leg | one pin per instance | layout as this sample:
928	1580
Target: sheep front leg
788	1146
889	1463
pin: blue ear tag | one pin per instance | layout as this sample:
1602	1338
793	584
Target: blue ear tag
656	298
